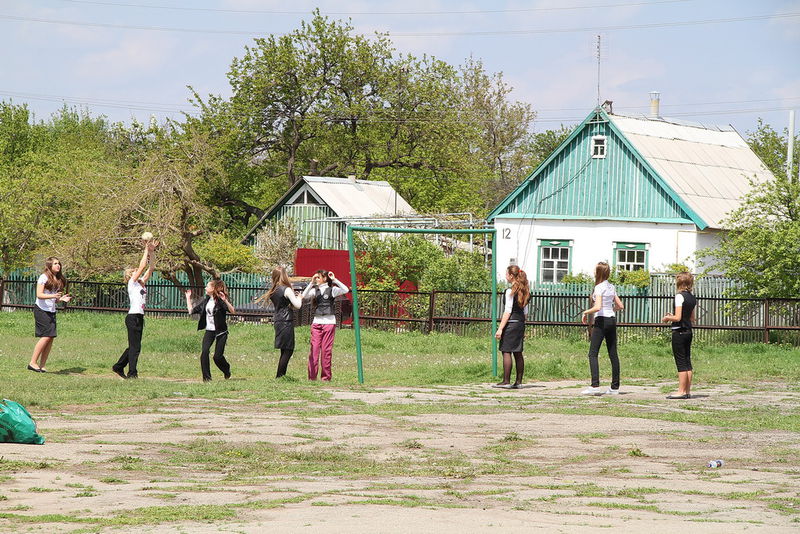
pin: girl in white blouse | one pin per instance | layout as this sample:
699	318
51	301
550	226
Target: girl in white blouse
606	302
50	289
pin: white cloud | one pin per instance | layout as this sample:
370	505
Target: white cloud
133	56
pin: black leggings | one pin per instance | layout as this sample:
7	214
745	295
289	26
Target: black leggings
219	354
604	328
283	363
134	322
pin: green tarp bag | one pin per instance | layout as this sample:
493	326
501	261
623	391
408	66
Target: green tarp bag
17	425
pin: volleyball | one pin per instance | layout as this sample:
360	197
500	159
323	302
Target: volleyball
147	236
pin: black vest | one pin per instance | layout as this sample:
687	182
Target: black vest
283	312
324	301
689	302
517	311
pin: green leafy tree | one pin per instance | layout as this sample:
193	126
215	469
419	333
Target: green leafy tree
322	100
227	254
761	244
461	271
772	148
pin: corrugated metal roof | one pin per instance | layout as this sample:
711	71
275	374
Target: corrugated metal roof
709	167
358	198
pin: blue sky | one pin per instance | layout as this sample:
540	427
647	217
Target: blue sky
713	72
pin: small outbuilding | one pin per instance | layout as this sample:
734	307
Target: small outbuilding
315	203
639	192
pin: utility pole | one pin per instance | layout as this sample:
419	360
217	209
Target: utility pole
790	149
598	69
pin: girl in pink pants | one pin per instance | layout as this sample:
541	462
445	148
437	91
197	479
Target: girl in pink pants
324	288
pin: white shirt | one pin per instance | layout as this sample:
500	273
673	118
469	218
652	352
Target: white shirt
46	304
509	305
337	290
137	294
606	292
210	315
296	301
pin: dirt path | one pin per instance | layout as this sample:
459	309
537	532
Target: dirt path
445	459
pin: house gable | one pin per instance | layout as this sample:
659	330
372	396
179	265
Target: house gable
575	183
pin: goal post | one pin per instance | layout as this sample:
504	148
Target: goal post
351	230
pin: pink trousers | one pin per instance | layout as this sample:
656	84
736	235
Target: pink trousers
321	350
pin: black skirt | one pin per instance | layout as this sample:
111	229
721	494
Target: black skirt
45	322
284	335
512	337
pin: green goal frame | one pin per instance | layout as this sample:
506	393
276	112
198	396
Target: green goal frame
354	282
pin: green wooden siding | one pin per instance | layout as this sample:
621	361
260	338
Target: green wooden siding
325	234
574	184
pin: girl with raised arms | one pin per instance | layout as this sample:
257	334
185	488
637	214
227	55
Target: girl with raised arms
323	289
136	280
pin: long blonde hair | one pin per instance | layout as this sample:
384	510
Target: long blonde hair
601	272
279	278
520	288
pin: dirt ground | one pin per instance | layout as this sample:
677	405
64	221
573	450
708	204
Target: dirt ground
490	460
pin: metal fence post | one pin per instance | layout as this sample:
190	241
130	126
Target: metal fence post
766	320
431	305
2	291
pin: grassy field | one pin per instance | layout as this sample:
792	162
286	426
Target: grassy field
88	344
425	445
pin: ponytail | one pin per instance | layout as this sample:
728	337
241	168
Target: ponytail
520	288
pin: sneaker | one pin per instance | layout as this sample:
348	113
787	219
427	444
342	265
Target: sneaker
119	372
502	386
610	391
227	376
592	391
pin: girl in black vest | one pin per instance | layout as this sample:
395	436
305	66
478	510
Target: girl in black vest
283	299
213	310
511	331
682	321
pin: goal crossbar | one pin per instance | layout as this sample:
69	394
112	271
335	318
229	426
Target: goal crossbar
351	230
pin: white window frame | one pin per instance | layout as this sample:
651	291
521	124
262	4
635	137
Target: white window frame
599	149
556	265
631	249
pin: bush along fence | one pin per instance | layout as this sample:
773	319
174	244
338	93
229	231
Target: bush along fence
553	314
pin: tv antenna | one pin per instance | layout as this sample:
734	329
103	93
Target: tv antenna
598	69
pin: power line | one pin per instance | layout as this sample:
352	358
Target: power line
180	108
601	28
102	102
538	31
454	12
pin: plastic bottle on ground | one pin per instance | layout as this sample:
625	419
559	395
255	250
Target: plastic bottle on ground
713	464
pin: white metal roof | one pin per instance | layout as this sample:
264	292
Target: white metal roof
708	167
358	198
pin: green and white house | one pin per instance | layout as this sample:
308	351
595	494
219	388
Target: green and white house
637	192
320	207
